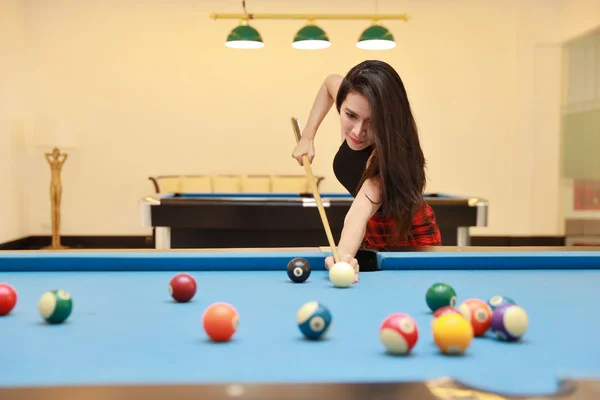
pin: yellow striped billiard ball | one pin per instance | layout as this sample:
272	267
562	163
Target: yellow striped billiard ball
452	333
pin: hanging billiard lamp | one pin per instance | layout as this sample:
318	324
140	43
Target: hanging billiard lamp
244	37
311	37
376	37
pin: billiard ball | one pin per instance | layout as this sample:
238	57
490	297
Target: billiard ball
220	321
478	313
452	333
8	298
314	320
443	311
55	306
182	287
509	322
439	295
496	301
342	274
298	269
399	333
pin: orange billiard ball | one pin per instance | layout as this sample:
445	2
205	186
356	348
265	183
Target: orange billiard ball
478	313
220	321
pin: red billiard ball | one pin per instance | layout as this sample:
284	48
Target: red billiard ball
182	287
478	313
8	298
399	333
443	311
220	321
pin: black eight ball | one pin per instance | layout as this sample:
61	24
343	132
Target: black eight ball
298	269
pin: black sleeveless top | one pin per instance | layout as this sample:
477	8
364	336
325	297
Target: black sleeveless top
349	166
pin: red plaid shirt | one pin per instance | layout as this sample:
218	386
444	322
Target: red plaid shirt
424	231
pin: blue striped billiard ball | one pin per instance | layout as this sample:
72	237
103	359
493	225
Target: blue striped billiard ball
314	320
497	301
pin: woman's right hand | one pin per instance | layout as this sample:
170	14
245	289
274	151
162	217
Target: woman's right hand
304	147
323	102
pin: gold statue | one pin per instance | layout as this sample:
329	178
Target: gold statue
56	159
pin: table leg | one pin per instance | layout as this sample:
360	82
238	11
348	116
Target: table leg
463	238
162	238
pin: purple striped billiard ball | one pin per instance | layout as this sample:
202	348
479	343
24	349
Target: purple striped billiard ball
509	322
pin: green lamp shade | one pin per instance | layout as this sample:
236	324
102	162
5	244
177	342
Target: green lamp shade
376	37
244	37
311	37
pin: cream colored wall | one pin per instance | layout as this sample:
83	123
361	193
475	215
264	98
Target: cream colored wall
149	88
578	17
13	198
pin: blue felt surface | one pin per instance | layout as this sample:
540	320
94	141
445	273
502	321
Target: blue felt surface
125	329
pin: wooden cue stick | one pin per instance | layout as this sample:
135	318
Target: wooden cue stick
311	178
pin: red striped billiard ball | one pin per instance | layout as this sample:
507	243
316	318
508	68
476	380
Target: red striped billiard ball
182	287
399	333
8	298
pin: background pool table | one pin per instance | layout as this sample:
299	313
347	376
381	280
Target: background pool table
222	220
126	337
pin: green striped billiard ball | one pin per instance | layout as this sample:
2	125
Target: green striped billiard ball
440	295
55	306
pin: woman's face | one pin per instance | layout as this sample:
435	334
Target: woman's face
355	118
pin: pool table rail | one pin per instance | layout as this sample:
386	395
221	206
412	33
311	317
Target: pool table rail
276	259
439	389
492	258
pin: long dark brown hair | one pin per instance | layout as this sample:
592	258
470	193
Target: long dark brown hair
397	162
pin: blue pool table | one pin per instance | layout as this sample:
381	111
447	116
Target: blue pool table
231	220
127	337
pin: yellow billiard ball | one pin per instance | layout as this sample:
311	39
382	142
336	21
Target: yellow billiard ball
452	333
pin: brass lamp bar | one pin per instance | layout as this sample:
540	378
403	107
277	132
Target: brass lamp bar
252	16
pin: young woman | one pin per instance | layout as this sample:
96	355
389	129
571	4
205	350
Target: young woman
380	161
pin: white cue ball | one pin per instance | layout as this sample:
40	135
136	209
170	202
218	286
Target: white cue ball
341	274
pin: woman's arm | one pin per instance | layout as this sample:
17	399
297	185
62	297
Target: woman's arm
365	204
322	104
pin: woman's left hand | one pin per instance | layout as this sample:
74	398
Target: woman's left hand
329	262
